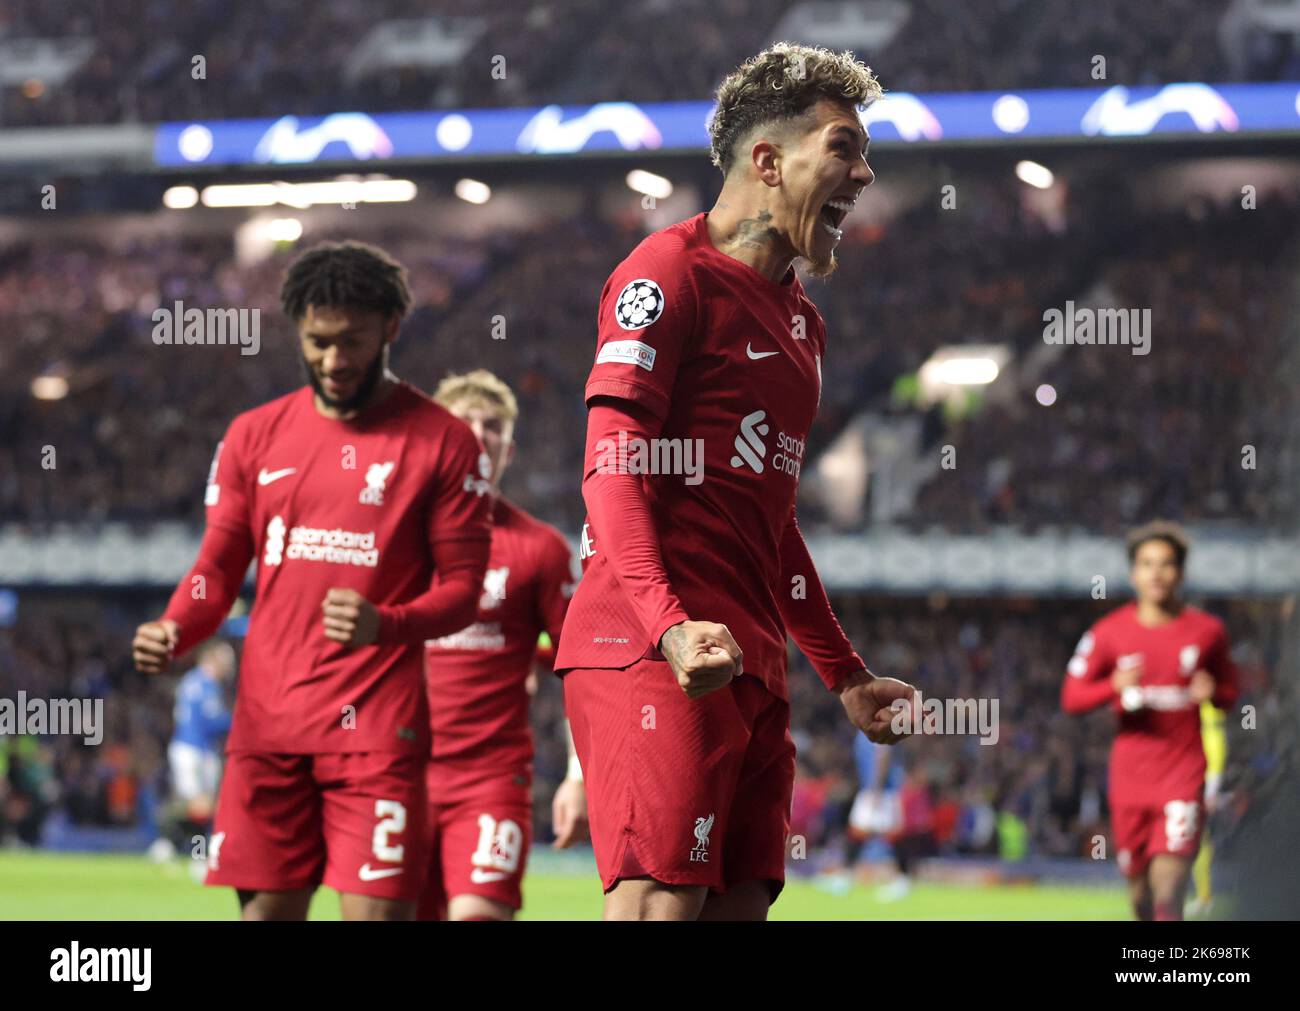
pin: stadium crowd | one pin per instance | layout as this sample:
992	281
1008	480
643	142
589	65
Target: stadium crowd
88	310
1195	428
1213	279
267	59
61	649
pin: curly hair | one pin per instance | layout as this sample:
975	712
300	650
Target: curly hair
478	385
1159	530
345	274
780	84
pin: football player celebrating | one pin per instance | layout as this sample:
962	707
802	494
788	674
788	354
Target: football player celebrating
1154	662
362	502
481	769
706	381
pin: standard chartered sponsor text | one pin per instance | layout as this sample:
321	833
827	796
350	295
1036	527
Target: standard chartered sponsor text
342	547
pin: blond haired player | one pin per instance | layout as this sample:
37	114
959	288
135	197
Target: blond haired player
481	765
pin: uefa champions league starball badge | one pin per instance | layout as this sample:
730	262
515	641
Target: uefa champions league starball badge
639	304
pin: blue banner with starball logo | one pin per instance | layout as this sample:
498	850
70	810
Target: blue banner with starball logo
900	117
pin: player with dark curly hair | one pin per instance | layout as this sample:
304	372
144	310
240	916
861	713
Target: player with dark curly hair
674	647
353	493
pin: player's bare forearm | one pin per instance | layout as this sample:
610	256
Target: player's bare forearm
673	646
873	703
575	767
569	805
569	813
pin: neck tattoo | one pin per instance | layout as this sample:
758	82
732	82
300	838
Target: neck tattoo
753	233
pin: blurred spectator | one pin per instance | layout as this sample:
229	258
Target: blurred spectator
272	59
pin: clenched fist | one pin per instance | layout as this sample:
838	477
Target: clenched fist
349	618
869	703
703	655
154	644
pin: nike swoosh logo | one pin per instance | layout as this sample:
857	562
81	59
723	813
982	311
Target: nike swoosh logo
267	476
481	877
756	355
368	873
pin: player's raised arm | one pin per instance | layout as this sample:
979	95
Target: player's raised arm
204	596
1091	679
811	622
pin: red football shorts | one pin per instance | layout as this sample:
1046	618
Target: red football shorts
688	792
352	821
478	845
1142	832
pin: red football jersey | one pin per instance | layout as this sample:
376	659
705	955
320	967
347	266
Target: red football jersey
730	361
353	504
478	702
1157	755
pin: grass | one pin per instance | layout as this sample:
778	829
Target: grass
49	886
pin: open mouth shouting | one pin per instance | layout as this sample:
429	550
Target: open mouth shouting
833	213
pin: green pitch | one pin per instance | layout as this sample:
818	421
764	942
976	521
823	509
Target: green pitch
41	886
